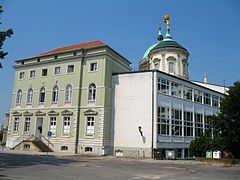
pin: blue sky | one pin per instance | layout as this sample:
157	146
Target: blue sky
209	29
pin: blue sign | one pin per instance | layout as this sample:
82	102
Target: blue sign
49	133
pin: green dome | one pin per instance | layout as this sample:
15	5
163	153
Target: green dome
148	50
166	44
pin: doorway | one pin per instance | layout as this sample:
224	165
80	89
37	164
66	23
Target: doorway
39	124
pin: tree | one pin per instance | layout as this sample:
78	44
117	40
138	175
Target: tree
226	125
204	143
3	36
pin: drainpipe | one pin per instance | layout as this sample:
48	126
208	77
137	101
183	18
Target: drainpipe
152	112
79	101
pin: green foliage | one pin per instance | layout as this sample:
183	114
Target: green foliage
204	143
226	125
3	36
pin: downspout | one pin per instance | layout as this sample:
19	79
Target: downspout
152	112
79	100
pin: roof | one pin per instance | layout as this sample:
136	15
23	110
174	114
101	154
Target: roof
91	44
155	70
168	43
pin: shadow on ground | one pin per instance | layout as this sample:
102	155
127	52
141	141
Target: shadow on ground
20	160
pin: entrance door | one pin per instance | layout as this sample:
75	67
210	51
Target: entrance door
39	124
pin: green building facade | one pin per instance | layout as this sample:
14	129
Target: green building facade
63	98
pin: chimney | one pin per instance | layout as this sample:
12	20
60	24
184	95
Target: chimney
205	79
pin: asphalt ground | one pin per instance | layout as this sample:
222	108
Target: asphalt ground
40	166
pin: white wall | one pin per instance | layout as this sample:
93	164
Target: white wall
132	107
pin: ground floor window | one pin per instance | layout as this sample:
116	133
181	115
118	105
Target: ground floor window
53	124
27	124
90	125
66	125
16	124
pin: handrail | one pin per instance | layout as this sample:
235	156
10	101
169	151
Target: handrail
48	141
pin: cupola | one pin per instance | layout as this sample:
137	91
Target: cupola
166	55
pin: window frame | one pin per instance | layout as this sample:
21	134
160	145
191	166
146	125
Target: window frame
27	124
30	96
32	74
19	97
16	124
66	127
92	91
42	92
69	67
57	73
90	125
21	75
93	67
68	93
44	72
53	125
55	94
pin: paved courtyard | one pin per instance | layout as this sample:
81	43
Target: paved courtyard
34	167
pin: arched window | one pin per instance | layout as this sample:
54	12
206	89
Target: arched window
55	94
68	93
19	97
171	67
42	95
30	96
92	92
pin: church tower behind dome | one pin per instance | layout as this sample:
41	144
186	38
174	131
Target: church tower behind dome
166	55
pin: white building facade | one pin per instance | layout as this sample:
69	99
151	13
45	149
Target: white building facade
153	109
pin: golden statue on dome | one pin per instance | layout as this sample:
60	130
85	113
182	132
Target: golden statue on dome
166	20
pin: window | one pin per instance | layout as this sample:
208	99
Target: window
198	96
90	125
185	69
16	124
215	101
32	74
176	89
64	148
52	127
42	95
207	98
44	72
163	121
30	96
55	57
187	92
163	86
188	123
88	149
57	70
92	92
68	93
93	66
207	121
198	124
156	65
55	94
176	122
171	67
21	75
66	125
19	97
70	69
27	124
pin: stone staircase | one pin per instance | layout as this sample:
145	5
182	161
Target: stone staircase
32	143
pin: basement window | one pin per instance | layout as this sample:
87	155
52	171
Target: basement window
64	148
88	149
